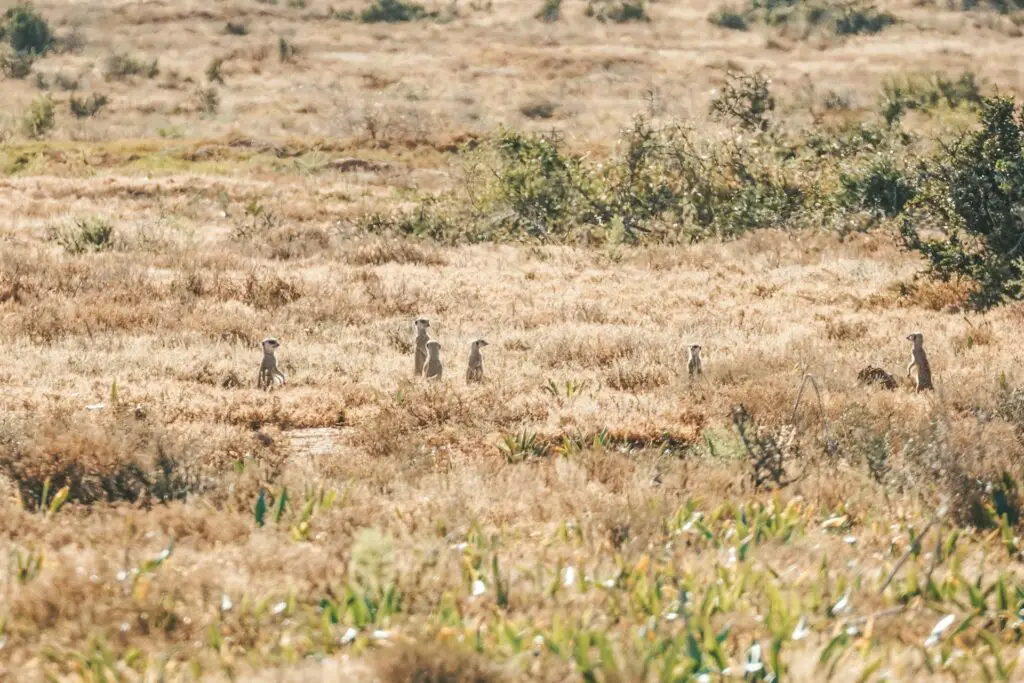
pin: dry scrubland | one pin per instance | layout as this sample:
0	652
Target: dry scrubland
587	513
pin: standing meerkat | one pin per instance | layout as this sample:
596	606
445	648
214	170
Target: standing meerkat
268	368
919	359
475	371
693	364
422	337
433	368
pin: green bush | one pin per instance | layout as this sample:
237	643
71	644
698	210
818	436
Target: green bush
975	200
38	119
926	92
729	18
858	19
550	11
25	30
392	11
882	188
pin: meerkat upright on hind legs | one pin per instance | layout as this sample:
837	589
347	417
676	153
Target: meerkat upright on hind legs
693	364
433	368
919	359
475	371
268	368
422	337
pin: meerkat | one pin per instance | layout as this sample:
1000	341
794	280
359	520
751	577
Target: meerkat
422	337
433	367
919	359
693	365
268	368
475	371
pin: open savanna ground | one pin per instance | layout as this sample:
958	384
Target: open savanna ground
181	180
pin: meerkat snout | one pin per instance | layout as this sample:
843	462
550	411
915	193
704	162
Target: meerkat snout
433	367
269	374
475	371
693	363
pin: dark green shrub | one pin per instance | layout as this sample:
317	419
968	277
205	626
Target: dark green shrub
881	188
392	11
926	92
745	99
729	18
550	11
25	30
975	201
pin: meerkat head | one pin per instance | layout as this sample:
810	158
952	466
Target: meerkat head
269	344
433	346
915	338
422	324
479	343
695	349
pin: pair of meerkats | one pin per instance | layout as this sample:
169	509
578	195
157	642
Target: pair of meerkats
918	360
427	356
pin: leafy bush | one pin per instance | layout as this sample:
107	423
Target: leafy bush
86	235
16	65
975	201
392	11
856	19
207	99
25	30
38	119
85	107
746	99
882	187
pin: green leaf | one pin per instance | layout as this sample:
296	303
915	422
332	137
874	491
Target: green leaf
279	505
261	508
59	499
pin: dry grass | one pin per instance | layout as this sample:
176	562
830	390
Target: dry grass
585	513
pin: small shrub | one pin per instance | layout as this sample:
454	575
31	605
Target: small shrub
16	65
974	200
538	109
285	50
82	108
856	19
66	83
84	235
234	29
550	11
745	99
121	66
618	11
38	119
392	11
207	99
728	18
25	30
213	74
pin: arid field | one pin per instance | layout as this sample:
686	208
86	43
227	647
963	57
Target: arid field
183	179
